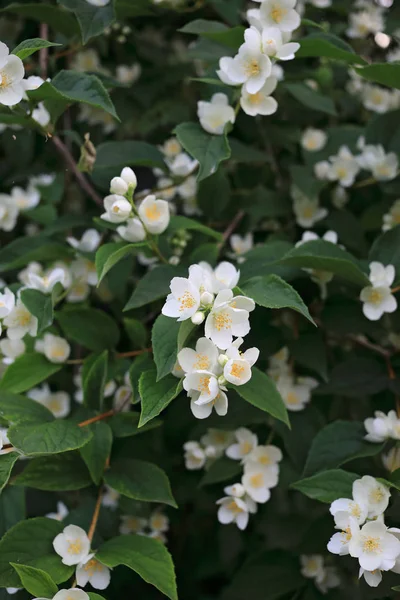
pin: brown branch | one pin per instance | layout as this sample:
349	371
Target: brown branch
109	413
71	164
367	344
96	514
44	52
134	353
231	228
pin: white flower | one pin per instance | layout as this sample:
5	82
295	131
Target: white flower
182	165
391	460
125	182
89	241
274	45
246	442
257	481
321	3
376	98
11	349
250	66
62	512
374	546
71	594
56	349
92	571
118	209
25	199
183	301
11	75
72	545
171	147
20	322
128	74
307	210
264	457
132	231
158	522
41	115
225	64
296	393
215	442
322	169
279	13
382	427
46	283
203	409
327	580
237	369
374	493
195	457
229	317
235	507
312	566
372	578
214	115
392	218
364	22
7	303
279	364
343	167
33	82
154	214
203	382
98	3
378	298
339	197
84	270
8	209
260	103
130	524
313	140
241	244
383	166
57	402
356	508
110	498
204	358
225	276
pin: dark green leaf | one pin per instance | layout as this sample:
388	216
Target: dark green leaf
35	581
109	255
92	328
327	486
92	19
18	409
40	306
140	480
7	461
328	46
213	30
164	340
137	333
97	451
383	73
58	19
127	424
153	286
356	377
156	395
94	379
28	47
27	371
180	222
310	98
60	472
24	250
222	469
48	438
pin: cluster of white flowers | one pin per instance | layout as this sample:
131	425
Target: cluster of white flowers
345	166
382	427
20	200
368	19
325	577
307	210
295	390
266	41
156	526
151	217
392	218
373	97
207	296
212	445
378	298
362	531
260	475
73	545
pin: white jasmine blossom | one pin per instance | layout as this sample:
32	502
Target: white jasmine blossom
392	218
229	317
94	572
118	209
257	481
25	199
56	349
8	209
274	45
246	442
313	140
375	493
279	13
307	210
41	115
383	166
154	214
237	369
71	594
182	165
377	298
194	456
20	322
132	230
89	241
344	167
203	358
110	498
62	512
376	99
131	524
374	546
11	75
241	244
11	349
250	66
72	545
261	102
46	283
57	402
391	460
215	115
296	393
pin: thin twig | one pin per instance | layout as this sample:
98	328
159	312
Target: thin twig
134	353
109	413
44	52
231	228
80	177
367	344
396	289
96	514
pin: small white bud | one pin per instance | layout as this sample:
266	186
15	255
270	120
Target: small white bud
206	298
210	452
174	260
198	318
128	175
118	186
222	360
222	380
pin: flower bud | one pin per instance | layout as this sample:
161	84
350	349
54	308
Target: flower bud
128	175
198	318
174	260
221	380
118	186
206	298
222	360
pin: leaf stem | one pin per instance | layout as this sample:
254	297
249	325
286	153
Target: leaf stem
109	413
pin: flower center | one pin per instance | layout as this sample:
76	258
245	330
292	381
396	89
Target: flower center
355	511
277	13
152	212
252	68
222	320
376	495
202	364
186	301
245	447
233	507
371	544
255	99
74	547
375	297
204	384
4	79
264	460
292	398
237	370
257	481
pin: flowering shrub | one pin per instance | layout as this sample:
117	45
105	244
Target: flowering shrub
200	233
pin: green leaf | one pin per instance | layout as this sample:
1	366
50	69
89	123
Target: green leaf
12	508
327	45
112	157
7	461
214	30
180	222
97	451
209	150
73	86
215	186
164	339
58	19
27	371
156	395
48	438
92	19
94	379
139	8
386	249
140	480
24	250
31	543
262	393
137	333
153	286
355	377
264	260
310	351
336	444
383	73
325	256
28	47
35	581
273	292
147	557
40	306
222	469
18	409
310	98
59	472
327	486
127	424
109	255
245	153
90	327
